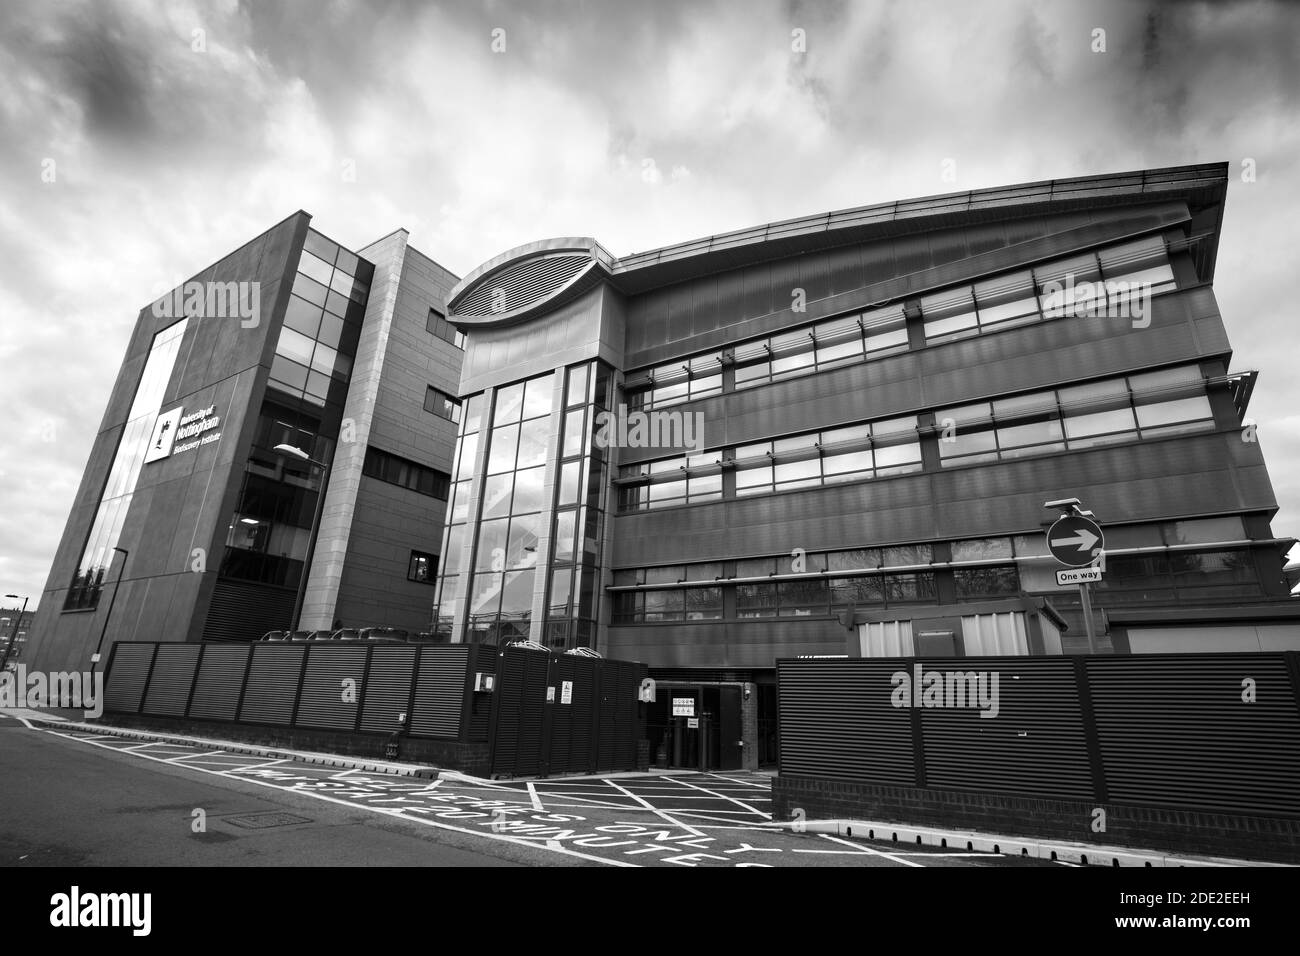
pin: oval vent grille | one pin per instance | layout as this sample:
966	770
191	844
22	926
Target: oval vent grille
522	284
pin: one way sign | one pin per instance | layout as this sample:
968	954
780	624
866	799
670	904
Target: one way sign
1074	541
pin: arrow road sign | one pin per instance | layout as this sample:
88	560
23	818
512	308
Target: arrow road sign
1074	541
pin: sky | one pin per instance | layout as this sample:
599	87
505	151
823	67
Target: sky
139	142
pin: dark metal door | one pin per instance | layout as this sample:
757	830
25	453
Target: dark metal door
730	746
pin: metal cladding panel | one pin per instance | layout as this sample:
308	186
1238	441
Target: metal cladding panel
1036	743
607	739
327	700
124	686
439	691
388	687
173	675
220	679
520	699
572	724
1175	731
243	611
272	684
837	722
627	683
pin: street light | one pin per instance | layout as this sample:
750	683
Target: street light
295	452
17	624
94	658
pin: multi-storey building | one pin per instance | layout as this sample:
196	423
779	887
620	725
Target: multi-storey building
275	454
836	435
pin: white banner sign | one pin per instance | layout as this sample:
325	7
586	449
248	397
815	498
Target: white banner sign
1077	575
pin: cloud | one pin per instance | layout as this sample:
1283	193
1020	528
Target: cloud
167	157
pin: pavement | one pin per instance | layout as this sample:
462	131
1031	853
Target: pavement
142	792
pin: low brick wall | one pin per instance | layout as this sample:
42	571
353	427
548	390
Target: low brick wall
473	757
1275	839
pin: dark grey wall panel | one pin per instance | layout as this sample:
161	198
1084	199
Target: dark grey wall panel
388	687
1171	730
1175	731
1035	744
220	680
173	676
272	684
244	611
124	684
329	667
837	722
439	692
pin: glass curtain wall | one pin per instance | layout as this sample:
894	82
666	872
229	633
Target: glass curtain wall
511	512
269	534
115	502
573	585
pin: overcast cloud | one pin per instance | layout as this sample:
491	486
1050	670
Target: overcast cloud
640	124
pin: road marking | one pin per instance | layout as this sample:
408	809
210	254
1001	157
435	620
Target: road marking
739	803
760	786
662	814
383	811
859	846
532	795
200	753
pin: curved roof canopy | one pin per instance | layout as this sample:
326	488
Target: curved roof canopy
537	277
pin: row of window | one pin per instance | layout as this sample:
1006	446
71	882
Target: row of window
1126	408
397	470
810	597
1113	280
840	341
1218	530
1166	402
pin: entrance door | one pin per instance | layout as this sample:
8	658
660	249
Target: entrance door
730	745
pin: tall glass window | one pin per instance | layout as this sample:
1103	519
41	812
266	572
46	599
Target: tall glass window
504	568
573	585
268	537
115	502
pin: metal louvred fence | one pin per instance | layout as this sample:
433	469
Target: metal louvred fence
1209	732
539	712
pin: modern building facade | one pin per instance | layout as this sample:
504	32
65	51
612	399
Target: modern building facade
836	435
275	454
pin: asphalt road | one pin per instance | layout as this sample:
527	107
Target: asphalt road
75	798
66	803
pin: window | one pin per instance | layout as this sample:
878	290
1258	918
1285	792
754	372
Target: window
423	567
128	459
408	474
1106	282
439	326
1148	405
979	583
442	405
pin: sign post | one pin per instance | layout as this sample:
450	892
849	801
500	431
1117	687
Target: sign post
1076	541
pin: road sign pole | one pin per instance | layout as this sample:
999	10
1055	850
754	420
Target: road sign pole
1085	599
